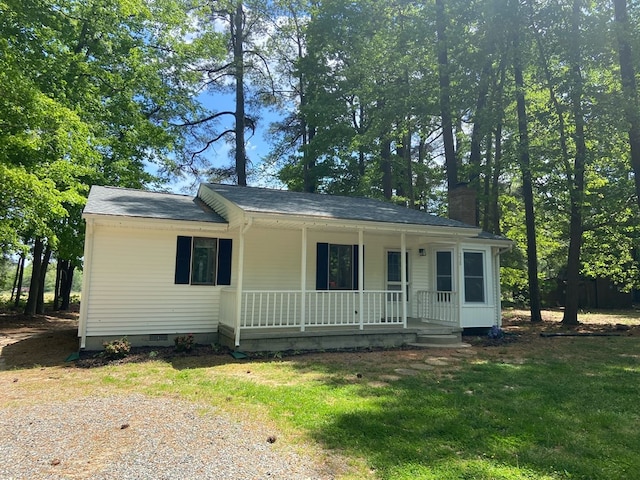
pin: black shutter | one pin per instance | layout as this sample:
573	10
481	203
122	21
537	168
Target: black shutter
322	266
183	260
356	262
224	262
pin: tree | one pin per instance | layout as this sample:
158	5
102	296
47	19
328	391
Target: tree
629	87
525	166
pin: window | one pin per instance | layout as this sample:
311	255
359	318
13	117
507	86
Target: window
444	271
336	267
473	277
340	267
203	261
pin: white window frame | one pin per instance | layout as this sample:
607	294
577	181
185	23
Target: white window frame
453	268
485	291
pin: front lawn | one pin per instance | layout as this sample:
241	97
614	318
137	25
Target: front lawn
531	407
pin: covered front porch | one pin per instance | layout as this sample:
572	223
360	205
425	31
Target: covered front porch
333	319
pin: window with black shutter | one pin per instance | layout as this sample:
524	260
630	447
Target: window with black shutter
203	261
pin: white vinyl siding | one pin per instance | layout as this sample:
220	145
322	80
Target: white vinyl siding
133	291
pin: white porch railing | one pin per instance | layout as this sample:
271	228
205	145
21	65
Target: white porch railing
439	306
269	309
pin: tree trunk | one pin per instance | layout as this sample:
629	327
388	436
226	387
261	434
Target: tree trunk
238	62
445	97
43	273
385	160
65	287
629	90
486	185
17	284
495	182
527	187
478	132
409	168
577	186
34	284
56	290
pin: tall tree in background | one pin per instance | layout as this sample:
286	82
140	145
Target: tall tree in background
525	166
631	105
444	81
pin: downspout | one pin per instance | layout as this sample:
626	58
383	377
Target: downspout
86	283
403	273
361	277
243	231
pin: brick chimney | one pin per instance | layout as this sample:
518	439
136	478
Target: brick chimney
462	204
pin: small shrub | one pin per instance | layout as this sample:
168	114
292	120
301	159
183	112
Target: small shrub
495	333
184	343
117	348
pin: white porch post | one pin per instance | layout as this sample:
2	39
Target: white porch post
303	280
243	230
361	277
403	273
460	286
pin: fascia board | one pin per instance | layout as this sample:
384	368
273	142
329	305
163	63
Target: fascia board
154	223
317	222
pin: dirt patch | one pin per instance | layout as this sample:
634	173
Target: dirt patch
47	340
40	340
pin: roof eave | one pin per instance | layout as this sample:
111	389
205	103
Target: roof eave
154	223
314	221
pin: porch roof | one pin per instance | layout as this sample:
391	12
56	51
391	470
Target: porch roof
269	201
127	202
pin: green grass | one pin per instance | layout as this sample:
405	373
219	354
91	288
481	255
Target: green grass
568	413
559	408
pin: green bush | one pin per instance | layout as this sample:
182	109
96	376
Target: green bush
184	343
117	348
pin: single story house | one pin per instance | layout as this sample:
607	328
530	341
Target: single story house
262	269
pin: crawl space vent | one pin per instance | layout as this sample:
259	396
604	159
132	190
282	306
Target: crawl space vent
158	337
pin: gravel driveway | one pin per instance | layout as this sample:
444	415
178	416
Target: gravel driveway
137	437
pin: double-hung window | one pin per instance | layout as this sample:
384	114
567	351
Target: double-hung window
203	261
474	277
336	267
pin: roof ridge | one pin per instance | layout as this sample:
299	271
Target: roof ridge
131	189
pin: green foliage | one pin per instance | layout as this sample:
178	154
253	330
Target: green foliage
184	343
117	348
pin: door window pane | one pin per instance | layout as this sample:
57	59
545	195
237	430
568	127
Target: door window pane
444	272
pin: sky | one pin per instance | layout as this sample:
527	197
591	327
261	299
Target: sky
258	145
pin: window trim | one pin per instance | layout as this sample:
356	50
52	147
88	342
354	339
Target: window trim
185	246
483	255
323	264
451	253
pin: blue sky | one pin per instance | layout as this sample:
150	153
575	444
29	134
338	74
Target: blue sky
258	145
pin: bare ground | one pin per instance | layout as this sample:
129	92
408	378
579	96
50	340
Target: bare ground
47	340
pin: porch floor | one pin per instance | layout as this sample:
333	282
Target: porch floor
334	337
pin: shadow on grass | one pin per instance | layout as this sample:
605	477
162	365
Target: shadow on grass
545	418
41	349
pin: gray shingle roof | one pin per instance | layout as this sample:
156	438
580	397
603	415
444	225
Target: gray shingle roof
264	200
139	203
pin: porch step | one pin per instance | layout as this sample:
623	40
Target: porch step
439	340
